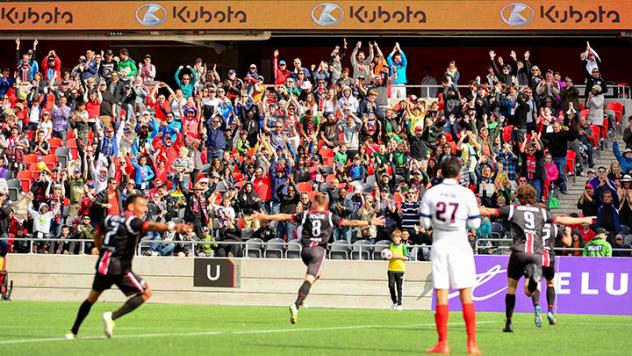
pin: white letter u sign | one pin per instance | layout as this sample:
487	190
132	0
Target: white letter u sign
209	275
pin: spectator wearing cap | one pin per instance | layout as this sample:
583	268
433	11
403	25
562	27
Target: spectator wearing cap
146	70
281	73
233	85
197	209
51	67
126	65
586	202
398	63
548	87
504	74
109	144
187	83
42	218
27	65
593	77
625	159
619	243
595	103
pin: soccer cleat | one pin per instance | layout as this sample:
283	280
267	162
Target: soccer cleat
394	307
508	327
399	308
551	318
472	349
538	316
293	314
70	336
441	347
108	324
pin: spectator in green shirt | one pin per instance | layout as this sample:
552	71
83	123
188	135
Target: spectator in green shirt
598	247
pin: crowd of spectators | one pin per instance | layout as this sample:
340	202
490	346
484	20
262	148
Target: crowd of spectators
212	148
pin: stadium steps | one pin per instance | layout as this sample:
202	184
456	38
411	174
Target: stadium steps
568	202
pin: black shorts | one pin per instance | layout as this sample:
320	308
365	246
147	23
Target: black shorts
314	258
129	283
518	262
548	272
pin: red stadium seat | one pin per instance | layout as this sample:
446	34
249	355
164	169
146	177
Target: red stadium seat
571	162
305	187
54	142
617	108
30	159
326	152
50	160
26	179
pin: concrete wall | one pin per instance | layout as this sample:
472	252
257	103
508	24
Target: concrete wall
264	282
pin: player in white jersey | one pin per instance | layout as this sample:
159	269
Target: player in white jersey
450	209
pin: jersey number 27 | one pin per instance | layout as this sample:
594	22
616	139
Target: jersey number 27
442	208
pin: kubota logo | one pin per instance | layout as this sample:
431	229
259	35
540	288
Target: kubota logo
151	15
517	14
327	14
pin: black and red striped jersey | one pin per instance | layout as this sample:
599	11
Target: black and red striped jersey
121	235
316	227
527	224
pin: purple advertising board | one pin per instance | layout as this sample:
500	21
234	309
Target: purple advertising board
584	285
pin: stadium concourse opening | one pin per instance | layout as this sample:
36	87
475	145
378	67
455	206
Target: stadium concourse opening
434	51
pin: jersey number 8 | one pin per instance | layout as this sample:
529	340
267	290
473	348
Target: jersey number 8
316	228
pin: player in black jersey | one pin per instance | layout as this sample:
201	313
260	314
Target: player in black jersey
317	226
550	233
527	223
117	239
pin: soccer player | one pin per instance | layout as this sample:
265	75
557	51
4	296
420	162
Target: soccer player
527	224
317	225
117	239
450	209
550	234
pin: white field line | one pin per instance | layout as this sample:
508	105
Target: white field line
206	333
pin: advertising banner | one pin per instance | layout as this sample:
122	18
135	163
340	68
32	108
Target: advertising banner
326	16
584	285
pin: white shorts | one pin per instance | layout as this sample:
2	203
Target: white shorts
452	268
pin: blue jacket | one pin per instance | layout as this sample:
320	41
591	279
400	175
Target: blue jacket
625	163
109	147
616	221
215	138
5	85
399	68
277	182
143	173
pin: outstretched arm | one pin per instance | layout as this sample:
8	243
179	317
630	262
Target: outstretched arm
362	223
488	211
273	217
567	220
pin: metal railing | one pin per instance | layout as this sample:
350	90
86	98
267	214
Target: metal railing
366	251
484	244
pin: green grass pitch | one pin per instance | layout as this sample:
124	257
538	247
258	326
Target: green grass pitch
37	328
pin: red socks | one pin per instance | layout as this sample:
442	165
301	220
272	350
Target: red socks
441	319
469	315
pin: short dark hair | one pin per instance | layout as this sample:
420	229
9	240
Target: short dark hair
450	168
131	198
